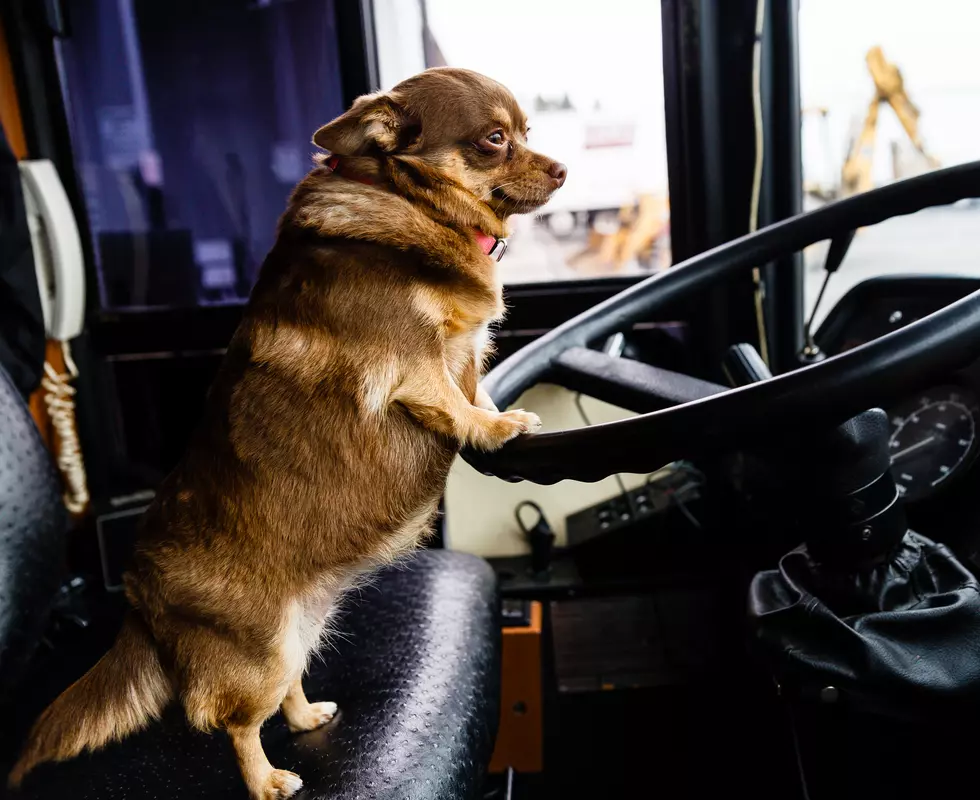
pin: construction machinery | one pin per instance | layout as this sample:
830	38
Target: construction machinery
890	89
631	238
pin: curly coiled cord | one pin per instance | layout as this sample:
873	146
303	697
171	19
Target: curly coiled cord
59	399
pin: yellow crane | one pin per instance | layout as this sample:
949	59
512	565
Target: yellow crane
889	88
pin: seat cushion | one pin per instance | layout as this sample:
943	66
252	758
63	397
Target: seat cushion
415	670
33	523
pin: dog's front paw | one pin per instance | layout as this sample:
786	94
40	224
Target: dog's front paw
281	784
500	428
314	716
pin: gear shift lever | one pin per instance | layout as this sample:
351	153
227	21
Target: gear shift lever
851	514
872	621
856	518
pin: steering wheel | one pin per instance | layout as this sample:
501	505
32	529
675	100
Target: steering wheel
708	419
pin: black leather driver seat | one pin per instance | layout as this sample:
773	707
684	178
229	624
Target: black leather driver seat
415	671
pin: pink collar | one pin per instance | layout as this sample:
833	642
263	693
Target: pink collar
490	245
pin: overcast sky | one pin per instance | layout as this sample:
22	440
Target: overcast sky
603	49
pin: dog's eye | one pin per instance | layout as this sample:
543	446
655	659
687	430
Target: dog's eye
492	143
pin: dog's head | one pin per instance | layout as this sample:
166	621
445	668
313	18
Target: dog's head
451	125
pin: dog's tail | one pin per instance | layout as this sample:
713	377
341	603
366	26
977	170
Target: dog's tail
121	694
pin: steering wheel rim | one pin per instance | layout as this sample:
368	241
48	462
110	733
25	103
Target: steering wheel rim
825	393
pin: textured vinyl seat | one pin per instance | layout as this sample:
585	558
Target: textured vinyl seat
415	673
414	668
33	523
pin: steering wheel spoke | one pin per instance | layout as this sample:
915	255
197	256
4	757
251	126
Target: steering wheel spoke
626	383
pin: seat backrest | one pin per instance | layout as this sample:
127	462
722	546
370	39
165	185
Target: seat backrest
33	525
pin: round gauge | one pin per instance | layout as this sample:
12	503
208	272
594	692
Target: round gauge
933	437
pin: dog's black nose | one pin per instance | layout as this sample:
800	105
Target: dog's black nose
558	172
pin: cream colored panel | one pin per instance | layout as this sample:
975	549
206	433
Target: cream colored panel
480	510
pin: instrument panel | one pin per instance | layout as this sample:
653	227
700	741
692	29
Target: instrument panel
933	440
934	432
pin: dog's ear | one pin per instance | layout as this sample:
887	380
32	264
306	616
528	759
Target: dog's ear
374	121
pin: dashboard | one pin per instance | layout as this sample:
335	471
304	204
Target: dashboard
933	440
935	432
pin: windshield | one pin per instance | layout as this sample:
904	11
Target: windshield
596	104
889	90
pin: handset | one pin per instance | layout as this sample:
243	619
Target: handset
60	269
57	250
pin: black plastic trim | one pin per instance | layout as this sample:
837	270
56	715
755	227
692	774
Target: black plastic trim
358	48
942	289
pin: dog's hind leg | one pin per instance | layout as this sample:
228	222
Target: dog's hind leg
264	781
236	686
301	714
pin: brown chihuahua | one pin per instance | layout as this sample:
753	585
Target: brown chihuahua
346	393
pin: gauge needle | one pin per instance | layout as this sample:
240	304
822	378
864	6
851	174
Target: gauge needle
916	446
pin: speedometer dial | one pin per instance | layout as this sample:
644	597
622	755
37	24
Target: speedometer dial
933	437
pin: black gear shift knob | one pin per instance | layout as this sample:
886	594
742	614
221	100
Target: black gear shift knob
847	504
852	515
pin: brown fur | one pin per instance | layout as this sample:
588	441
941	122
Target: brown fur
345	394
